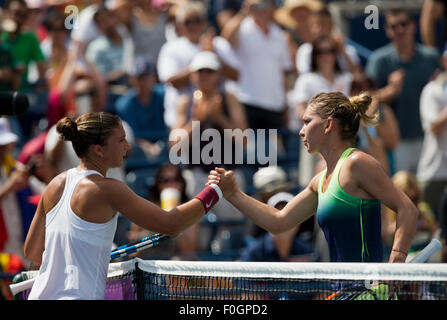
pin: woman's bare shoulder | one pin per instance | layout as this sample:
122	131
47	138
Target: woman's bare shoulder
58	182
360	160
53	192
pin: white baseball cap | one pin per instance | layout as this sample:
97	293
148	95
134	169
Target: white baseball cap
271	179
204	60
6	135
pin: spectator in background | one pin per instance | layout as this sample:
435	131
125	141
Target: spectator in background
268	181
210	102
25	47
272	180
211	106
293	16
263	54
91	21
284	247
111	54
8	82
30	67
148	27
432	168
321	24
142	107
169	176
107	52
55	45
15	210
36	13
176	55
77	88
325	76
426	226
62	91
400	70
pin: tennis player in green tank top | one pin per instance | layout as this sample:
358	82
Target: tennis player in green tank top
346	196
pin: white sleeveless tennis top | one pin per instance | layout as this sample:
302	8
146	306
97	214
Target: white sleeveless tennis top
77	252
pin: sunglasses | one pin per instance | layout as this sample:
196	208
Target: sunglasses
403	24
206	70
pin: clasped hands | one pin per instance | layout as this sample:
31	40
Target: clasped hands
225	180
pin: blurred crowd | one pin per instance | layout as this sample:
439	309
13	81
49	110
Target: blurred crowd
164	65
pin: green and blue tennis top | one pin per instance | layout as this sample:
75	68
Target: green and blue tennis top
351	225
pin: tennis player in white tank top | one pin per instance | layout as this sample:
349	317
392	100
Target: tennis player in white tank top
90	250
71	234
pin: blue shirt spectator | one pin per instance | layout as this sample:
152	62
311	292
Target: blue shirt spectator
145	118
400	70
142	107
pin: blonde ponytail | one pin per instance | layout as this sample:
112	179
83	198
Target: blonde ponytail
360	104
347	111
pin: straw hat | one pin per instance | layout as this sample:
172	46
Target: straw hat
283	17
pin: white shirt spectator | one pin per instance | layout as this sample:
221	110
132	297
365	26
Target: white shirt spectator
175	56
309	84
304	58
263	61
433	162
85	30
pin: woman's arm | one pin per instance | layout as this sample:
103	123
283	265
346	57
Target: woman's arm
35	239
431	12
148	215
371	177
302	207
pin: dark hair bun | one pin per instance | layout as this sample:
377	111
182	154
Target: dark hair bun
68	129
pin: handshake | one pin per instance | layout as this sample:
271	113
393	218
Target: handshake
225	180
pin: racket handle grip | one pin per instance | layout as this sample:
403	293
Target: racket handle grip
427	252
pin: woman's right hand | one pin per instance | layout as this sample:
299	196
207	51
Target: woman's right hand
225	180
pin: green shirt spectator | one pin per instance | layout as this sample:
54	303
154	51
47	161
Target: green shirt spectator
25	48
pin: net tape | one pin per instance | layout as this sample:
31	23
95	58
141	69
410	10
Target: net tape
165	279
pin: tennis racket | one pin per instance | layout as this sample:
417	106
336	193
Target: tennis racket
140	245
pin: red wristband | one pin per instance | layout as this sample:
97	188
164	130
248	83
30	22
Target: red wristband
209	197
